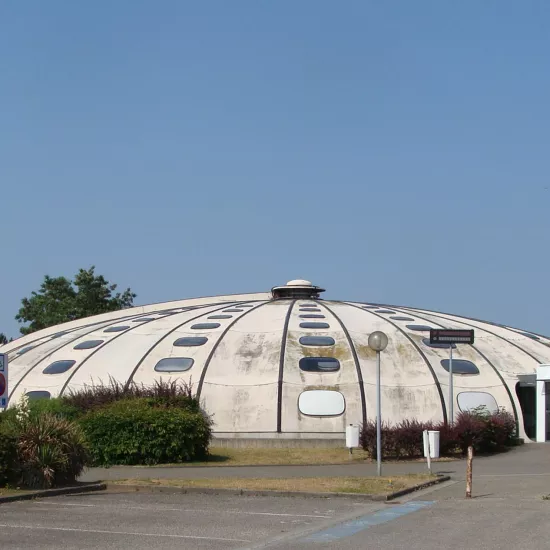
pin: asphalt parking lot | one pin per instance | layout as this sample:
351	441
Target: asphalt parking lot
501	516
508	510
152	520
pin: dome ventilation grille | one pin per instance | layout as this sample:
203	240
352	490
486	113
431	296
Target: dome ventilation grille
298	288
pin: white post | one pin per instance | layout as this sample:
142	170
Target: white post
428	450
378	418
541	411
451	390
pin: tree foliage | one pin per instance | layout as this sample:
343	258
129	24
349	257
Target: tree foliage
60	300
4	339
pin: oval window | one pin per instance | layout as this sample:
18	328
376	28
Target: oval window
317	341
191	341
58	367
319	364
469	400
314	325
401	318
204	326
321	403
174	364
119	328
419	328
460	366
38	394
89	344
312	316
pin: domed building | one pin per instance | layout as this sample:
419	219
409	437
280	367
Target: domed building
286	363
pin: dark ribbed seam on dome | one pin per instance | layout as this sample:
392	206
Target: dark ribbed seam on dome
422	354
281	369
69	342
215	346
356	361
172	330
497	372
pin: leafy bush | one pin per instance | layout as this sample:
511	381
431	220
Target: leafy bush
164	394
486	432
10	470
138	431
51	451
57	407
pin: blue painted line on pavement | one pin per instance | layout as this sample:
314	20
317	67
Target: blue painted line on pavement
353	527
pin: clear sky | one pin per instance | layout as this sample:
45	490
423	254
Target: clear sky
389	151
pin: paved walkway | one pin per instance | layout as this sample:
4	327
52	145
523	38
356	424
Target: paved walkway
532	460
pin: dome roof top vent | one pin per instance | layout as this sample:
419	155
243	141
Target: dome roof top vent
297	288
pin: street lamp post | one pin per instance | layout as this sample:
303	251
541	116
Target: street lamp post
378	341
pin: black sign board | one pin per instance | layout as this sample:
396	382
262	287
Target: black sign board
451	336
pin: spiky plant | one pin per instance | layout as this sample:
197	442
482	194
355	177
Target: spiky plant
52	451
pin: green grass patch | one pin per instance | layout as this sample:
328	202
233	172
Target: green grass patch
352	485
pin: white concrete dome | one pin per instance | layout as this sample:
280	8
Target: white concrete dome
286	365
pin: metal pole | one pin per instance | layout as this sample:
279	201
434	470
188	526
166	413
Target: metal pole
451	392
378	419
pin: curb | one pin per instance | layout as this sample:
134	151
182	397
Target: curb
113	487
213	465
55	492
414	488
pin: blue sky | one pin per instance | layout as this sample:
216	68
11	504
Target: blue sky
389	151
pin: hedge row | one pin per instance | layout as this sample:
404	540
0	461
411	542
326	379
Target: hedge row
137	431
45	443
486	432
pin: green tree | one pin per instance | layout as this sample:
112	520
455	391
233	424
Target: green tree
4	339
60	300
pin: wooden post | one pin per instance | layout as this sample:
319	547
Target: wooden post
469	472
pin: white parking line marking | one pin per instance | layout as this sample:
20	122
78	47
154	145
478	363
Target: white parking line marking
162	509
38	503
513	475
100	531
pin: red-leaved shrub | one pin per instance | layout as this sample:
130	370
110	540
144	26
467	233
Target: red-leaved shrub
486	432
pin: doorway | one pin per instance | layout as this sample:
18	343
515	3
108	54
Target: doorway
527	396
